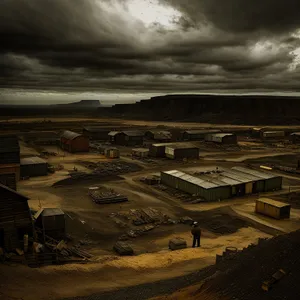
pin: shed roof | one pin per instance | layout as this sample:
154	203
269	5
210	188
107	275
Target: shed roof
35	160
221	135
181	146
9	143
273	202
295	133
259	174
140	149
133	133
273	131
95	129
49	212
70	135
113	133
202	131
4	187
162	144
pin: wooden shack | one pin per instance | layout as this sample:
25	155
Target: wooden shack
74	142
51	221
129	138
15	219
9	160
272	208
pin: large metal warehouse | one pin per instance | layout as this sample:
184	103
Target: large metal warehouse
210	191
33	166
221	138
265	182
223	184
195	135
180	151
74	142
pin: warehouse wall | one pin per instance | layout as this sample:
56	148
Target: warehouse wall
273	184
34	170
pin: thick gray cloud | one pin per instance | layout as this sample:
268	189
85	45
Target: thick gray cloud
94	45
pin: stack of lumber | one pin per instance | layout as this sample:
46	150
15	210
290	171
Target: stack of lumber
107	197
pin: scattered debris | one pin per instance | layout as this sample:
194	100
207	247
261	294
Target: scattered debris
186	220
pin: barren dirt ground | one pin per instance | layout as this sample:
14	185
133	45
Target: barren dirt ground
153	262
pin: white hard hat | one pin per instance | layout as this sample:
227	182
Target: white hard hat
195	223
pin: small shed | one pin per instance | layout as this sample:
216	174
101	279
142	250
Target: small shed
112	152
129	138
74	142
51	221
272	208
257	131
160	136
112	135
196	135
15	219
95	132
278	134
295	137
158	150
182	150
221	138
140	152
33	166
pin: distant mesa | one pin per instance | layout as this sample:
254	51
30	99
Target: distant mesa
82	103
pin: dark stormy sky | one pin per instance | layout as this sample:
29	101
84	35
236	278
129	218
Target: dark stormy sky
124	50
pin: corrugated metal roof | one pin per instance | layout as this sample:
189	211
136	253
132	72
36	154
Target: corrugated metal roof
273	202
49	212
274	131
70	135
32	161
2	186
9	143
201	181
257	173
113	133
133	133
162	144
202	131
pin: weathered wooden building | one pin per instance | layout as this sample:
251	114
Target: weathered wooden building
197	134
15	219
221	138
140	152
51	221
95	133
9	160
182	150
158	150
33	166
112	152
128	138
74	142
159	135
295	137
112	135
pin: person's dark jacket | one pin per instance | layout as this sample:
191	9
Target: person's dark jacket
196	231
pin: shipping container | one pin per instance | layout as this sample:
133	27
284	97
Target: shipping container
140	152
272	208
273	134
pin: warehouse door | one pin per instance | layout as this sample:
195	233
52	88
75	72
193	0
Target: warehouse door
249	188
240	190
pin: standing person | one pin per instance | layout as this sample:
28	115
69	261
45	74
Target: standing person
196	232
